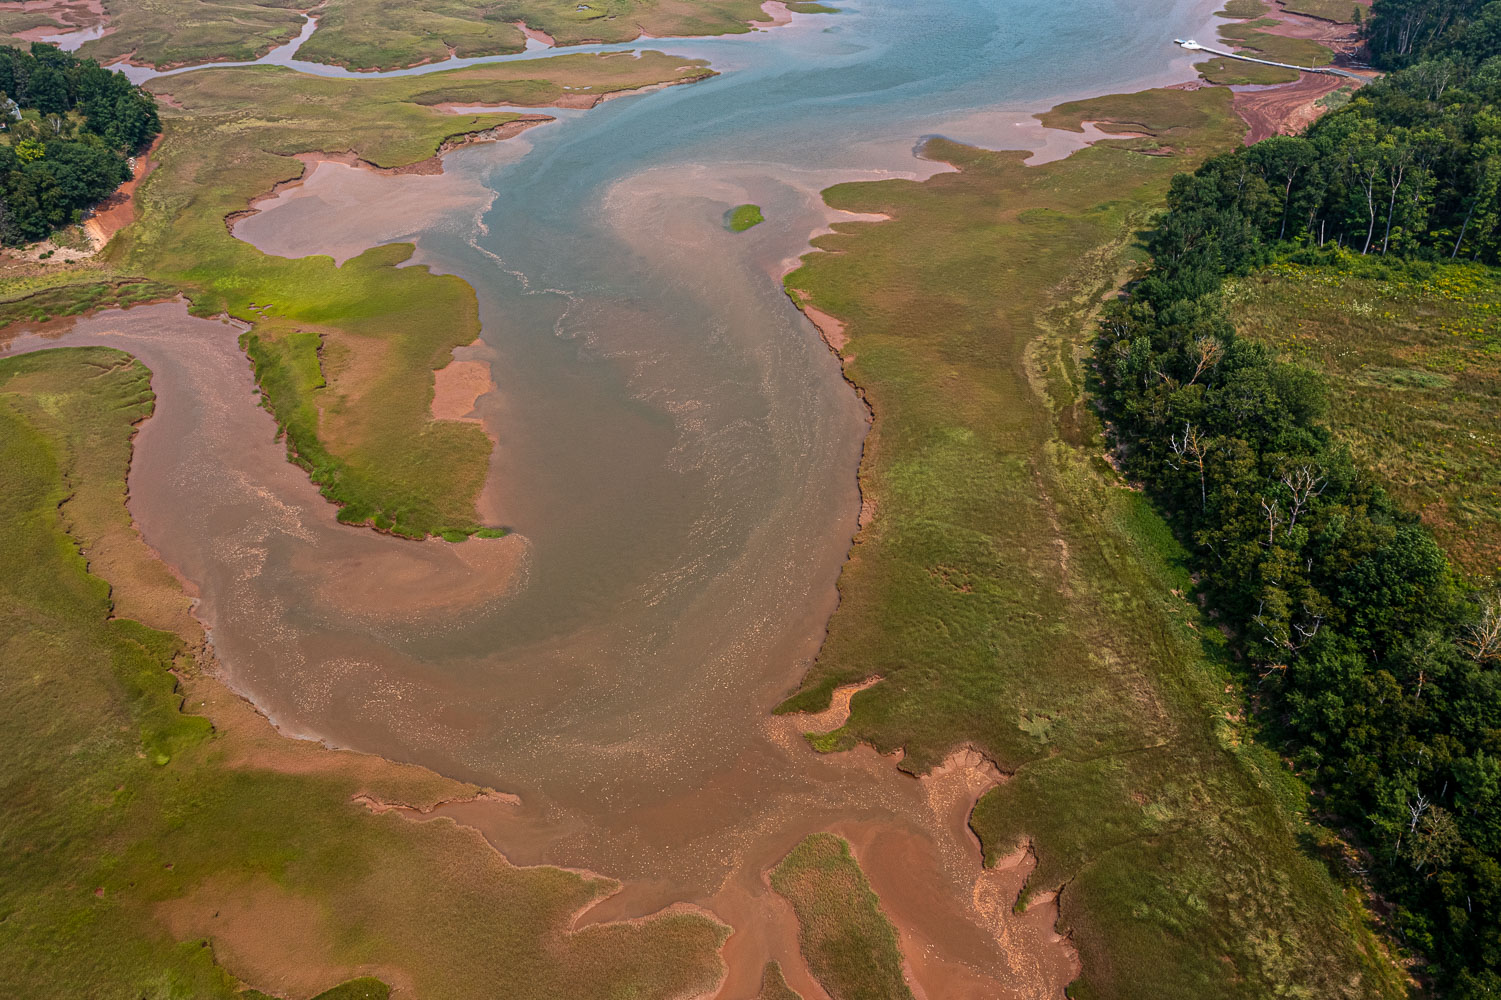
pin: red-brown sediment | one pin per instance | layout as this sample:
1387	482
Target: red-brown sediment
118	210
456	388
1286	109
1289	108
838	712
829	328
69	17
378	805
777	11
537	34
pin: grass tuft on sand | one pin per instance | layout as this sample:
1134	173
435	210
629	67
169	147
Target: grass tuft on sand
847	941
1007	576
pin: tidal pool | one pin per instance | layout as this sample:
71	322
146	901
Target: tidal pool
676	457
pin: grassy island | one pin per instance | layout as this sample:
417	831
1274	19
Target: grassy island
847	941
385	34
743	217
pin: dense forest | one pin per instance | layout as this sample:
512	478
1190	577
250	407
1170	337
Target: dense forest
1375	668
70	126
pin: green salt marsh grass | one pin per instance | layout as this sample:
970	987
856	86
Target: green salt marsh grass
125	812
743	217
387	34
847	941
1015	597
1249	38
774	985
1338	11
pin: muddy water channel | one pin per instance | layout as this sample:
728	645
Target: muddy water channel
676	458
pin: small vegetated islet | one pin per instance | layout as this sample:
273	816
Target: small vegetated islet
1375	665
70	125
743	217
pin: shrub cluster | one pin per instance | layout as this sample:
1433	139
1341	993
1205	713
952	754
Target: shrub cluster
70	126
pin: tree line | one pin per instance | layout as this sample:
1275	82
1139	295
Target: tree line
1411	166
1376	669
70	151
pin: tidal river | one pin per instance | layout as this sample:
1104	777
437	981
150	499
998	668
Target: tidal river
676	457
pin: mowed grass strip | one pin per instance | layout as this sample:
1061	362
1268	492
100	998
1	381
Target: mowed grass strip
140	841
847	941
345	355
1015	597
1412	357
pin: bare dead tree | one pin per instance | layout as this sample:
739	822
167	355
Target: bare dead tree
1304	484
1273	512
1307	632
1207	351
1482	637
1191	450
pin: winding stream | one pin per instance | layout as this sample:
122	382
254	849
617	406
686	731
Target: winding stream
676	454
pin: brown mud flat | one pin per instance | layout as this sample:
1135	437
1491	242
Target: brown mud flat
778	12
1289	108
197	367
829	328
325	211
431	166
457	386
1284	109
838	712
537	34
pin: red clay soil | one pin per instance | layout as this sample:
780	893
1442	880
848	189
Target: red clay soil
1290	108
118	210
1284	110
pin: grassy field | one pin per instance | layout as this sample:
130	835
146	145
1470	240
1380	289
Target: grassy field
345	355
1412	355
743	217
152	852
847	941
1338	11
1014	596
385	34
